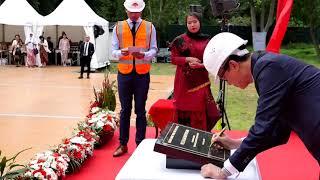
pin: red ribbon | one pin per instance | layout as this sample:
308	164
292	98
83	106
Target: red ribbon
283	16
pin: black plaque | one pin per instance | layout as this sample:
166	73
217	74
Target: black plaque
183	142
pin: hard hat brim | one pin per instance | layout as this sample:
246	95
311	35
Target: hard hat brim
218	50
130	9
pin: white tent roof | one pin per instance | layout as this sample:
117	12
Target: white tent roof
19	12
74	13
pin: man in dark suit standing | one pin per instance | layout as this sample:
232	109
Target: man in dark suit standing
50	54
86	52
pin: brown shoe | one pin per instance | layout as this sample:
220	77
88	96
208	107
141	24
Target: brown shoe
122	149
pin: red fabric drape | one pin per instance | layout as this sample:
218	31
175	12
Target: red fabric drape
162	112
283	16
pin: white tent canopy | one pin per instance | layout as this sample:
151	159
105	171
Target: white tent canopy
78	13
21	13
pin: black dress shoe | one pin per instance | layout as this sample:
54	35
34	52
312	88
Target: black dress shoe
80	77
88	77
122	149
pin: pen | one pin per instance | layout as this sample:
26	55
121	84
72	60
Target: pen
217	135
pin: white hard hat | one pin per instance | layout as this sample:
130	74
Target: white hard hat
134	5
219	48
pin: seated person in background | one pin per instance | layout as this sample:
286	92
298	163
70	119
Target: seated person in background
192	96
17	50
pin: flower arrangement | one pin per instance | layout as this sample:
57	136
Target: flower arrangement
97	129
103	122
105	97
102	118
48	166
79	147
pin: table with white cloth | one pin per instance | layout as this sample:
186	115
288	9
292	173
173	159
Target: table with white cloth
146	164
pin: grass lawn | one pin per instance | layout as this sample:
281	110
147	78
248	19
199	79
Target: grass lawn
241	104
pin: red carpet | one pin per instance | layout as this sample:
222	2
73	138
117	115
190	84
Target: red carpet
291	161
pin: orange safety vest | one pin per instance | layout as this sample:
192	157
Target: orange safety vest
142	40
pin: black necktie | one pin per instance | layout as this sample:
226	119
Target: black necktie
133	32
133	29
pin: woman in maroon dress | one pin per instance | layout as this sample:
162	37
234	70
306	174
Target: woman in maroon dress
43	48
193	99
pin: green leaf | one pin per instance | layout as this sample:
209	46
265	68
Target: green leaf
15	174
3	165
15	165
15	156
74	166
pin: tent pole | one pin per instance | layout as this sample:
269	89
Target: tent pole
3	33
57	36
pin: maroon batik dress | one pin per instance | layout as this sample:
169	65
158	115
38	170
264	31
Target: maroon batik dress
193	100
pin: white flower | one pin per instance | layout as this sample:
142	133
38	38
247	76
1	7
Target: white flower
33	161
93	120
100	124
78	140
54	165
39	175
28	173
72	147
95	110
51	172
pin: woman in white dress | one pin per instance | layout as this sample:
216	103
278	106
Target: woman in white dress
31	46
64	47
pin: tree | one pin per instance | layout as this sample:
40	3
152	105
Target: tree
163	12
106	9
258	9
307	11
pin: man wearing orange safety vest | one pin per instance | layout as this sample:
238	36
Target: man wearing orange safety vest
134	44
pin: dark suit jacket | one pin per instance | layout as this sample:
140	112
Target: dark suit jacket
289	100
90	49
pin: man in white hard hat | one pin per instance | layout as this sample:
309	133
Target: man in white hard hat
289	100
134	43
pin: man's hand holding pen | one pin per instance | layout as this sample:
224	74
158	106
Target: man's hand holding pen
215	139
220	140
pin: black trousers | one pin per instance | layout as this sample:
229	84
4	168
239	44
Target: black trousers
135	87
85	61
51	58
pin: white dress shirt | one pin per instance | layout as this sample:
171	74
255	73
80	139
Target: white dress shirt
86	48
148	55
